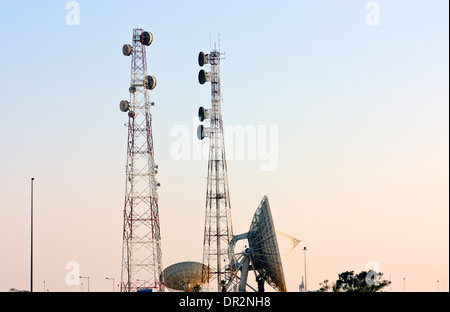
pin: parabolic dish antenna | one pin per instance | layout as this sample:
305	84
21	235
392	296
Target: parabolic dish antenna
146	38
201	59
263	253
202	76
184	276
264	249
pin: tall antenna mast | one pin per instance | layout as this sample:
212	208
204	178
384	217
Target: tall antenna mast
141	251
219	260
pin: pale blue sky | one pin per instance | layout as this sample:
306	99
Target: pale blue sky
362	113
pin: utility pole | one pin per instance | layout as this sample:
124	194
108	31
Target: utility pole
306	287
31	260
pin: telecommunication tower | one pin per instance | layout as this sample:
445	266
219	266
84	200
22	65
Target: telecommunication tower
219	260
141	250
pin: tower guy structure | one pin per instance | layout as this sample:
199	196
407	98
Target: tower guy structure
141	250
218	257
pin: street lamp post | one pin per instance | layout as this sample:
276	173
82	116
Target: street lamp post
306	287
31	251
87	280
111	278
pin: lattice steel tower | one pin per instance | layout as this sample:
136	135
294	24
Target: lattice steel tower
218	232
141	251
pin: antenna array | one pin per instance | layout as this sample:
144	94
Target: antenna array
141	251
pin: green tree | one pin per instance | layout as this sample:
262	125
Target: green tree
17	290
324	287
363	282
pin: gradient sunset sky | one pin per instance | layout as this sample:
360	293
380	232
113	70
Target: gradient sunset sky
362	113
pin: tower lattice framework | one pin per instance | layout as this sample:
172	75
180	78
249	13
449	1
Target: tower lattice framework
218	230
141	250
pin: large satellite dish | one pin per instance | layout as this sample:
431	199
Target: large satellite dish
263	252
264	249
183	276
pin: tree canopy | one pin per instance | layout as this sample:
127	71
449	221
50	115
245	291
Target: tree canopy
362	282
